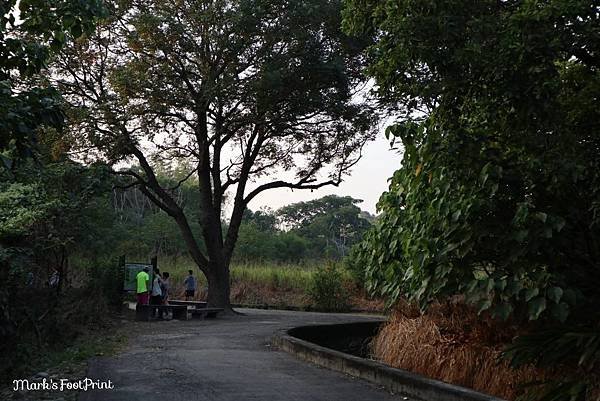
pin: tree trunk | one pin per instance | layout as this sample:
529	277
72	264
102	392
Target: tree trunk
218	287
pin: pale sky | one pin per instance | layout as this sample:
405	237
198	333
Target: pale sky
367	180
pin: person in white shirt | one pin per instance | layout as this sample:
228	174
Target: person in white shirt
156	294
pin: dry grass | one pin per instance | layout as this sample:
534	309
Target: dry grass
453	344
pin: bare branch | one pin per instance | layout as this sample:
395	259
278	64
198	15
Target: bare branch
284	184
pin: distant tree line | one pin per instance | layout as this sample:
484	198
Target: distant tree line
324	228
54	212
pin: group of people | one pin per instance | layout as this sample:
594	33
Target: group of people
158	293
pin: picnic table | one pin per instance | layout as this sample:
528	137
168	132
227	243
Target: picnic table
198	309
196	304
182	310
144	312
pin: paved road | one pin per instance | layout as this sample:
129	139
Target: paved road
224	359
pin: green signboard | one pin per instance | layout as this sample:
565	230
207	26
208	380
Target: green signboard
131	271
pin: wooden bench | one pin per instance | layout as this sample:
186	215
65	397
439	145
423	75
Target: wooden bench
205	312
144	312
195	304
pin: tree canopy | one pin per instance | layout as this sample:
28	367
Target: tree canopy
497	196
29	32
240	89
333	223
498	191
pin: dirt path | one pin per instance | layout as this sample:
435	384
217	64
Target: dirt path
224	359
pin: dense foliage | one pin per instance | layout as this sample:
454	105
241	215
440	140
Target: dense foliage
29	32
142	228
333	223
50	212
47	202
498	194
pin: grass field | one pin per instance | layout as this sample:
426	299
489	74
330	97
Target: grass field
285	276
265	284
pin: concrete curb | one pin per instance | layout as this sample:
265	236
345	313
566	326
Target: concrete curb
395	380
307	308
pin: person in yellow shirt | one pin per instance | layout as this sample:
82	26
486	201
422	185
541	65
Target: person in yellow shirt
142	279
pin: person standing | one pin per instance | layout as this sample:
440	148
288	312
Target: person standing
142	280
164	287
190	286
156	297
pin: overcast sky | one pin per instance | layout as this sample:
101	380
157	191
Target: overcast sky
368	179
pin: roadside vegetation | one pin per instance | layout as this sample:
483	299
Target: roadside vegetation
496	200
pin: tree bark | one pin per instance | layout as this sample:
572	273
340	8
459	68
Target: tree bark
218	287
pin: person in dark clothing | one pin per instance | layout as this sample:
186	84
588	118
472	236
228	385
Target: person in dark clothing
190	286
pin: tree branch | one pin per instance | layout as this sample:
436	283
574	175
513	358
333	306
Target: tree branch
284	184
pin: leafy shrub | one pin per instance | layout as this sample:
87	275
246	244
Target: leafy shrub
327	290
575	348
355	267
106	280
497	195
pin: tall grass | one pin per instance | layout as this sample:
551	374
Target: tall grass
276	276
267	284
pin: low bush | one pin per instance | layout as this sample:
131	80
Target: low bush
40	320
327	289
353	264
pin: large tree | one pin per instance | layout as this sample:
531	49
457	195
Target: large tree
246	90
498	193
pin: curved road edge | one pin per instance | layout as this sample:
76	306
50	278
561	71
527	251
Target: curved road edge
393	379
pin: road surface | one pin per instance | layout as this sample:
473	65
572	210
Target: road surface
224	359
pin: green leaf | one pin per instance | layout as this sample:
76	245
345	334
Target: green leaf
68	21
521	235
530	293
570	296
503	311
490	285
559	223
483	305
554	294
501	284
560	311
535	307
456	215
76	29
514	287
541	216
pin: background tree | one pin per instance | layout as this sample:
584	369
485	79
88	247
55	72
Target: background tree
240	89
332	223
